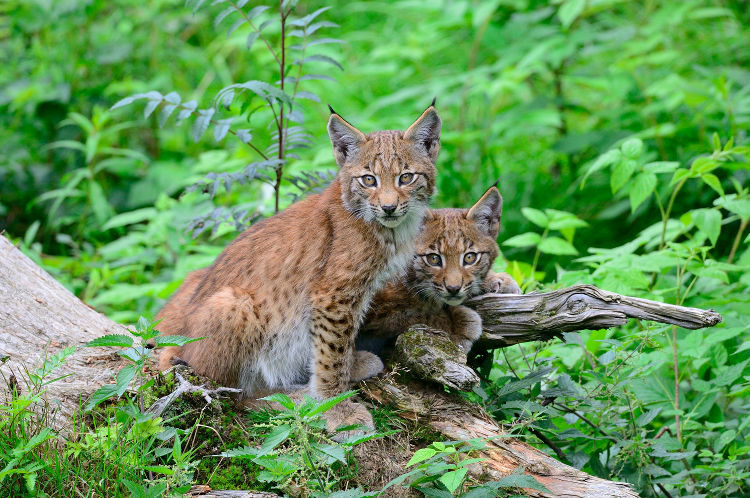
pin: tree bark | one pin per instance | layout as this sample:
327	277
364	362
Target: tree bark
38	316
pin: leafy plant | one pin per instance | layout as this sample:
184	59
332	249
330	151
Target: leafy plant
138	355
296	449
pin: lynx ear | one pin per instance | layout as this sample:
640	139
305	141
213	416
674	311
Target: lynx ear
346	139
425	132
487	211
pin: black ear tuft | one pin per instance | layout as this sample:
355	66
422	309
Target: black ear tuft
331	109
486	213
434	99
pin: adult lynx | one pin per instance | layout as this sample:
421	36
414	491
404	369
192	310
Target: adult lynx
283	302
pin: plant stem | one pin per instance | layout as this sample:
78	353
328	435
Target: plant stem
665	217
737	239
280	123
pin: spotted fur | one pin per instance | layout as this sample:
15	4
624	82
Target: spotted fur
282	303
432	293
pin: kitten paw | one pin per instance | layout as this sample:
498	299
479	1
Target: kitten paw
501	283
366	365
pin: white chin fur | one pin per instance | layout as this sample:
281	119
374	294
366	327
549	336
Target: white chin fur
391	223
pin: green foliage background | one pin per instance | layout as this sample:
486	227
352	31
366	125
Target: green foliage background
609	124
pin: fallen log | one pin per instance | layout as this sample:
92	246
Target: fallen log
509	319
38	316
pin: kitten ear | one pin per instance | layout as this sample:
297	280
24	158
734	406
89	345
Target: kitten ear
425	132
487	211
346	139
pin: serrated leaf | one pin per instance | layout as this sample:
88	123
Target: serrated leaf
519	481
281	399
647	417
101	394
334	451
221	128
642	187
661	166
251	38
307	96
201	123
327	404
535	216
165	113
117	340
632	148
277	436
150	108
223	15
245	451
174	340
256	11
235	25
557	246
304	21
523	240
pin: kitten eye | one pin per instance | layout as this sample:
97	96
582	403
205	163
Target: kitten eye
433	259
470	258
406	178
368	180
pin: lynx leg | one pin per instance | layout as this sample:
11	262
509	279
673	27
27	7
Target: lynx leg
467	327
502	283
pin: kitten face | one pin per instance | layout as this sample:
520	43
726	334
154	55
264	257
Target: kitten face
455	250
387	175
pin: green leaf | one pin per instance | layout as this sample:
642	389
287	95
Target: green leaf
679	175
277	436
647	417
661	166
709	222
569	11
726	437
557	246
535	216
124	376
621	173
174	340
334	451
101	394
641	189
244	451
421	455
117	340
329	403
452	480
523	240
201	123
519	481
130	218
632	148
727	375
281	399
713	181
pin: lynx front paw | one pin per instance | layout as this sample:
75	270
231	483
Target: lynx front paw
501	283
345	414
366	365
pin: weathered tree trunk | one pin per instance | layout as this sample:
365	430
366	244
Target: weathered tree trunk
39	316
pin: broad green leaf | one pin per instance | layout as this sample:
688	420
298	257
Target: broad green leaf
452	480
130	218
647	417
661	166
124	376
277	436
117	340
334	451
713	181
621	173
201	123
101	394
632	148
519	481
709	222
523	240
558	246
642	187
244	451
421	455
535	216
725	437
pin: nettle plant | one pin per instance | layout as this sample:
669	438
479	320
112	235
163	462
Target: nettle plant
291	50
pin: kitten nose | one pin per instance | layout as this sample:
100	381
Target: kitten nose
453	289
388	209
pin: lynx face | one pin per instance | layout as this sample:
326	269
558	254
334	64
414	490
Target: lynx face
455	250
387	176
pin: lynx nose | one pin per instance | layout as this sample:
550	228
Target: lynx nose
388	209
453	289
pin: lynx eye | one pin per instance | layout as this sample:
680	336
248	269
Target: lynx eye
368	180
433	259
470	258
406	178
